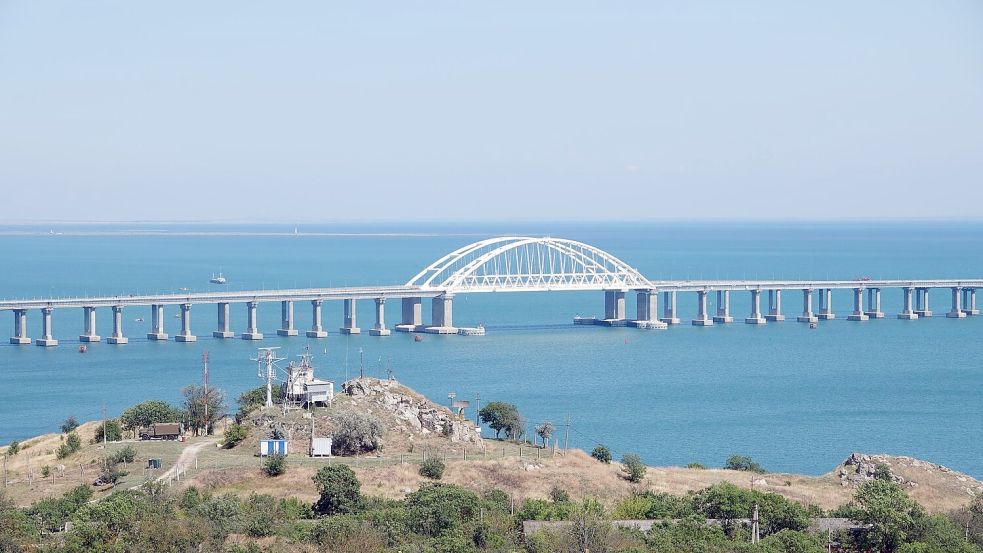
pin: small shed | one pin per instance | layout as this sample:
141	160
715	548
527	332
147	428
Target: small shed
321	447
272	447
319	391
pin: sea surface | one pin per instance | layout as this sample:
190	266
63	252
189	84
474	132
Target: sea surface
794	399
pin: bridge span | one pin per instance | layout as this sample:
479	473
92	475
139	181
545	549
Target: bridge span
504	264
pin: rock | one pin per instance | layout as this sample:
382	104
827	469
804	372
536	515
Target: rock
759	482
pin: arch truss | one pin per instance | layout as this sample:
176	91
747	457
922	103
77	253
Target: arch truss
519	263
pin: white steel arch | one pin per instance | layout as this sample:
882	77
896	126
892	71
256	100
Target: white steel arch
522	263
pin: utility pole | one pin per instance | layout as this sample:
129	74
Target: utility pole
103	424
566	437
204	369
755	532
361	364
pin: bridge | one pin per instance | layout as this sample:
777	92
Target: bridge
504	264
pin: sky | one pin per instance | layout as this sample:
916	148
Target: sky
459	111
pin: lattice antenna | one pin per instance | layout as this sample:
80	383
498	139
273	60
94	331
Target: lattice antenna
266	368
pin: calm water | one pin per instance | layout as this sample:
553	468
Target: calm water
793	398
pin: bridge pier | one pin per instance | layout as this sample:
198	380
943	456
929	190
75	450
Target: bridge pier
46	339
669	308
349	325
614	307
702	319
723	307
755	318
379	329
20	328
117	336
441	315
858	306
874	304
185	335
316	331
252	332
826	305
908	313
969	301
774	306
807	315
957	310
89	320
223	330
412	311
287	319
647	310
157	323
921	303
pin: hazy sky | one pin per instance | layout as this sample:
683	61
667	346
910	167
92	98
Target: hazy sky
325	111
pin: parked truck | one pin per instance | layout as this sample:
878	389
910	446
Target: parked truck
161	431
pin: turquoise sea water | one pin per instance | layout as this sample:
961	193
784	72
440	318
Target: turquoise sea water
795	399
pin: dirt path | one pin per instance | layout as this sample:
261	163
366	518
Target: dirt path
186	458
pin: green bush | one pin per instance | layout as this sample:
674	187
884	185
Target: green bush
356	433
432	468
234	433
13	448
275	464
71	423
438	509
339	490
601	453
45	471
113	430
633	467
126	454
700	466
728	502
71	444
744	463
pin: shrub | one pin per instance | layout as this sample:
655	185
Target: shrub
559	495
882	472
700	466
729	502
275	464
235	433
744	463
125	455
13	448
356	433
438	509
601	453
339	490
113	430
633	467
111	473
432	468
71	444
71	423
45	471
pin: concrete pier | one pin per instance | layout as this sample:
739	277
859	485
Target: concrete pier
441	315
957	311
89	320
858	306
647	310
287	319
921	303
807	315
117	335
316	331
379	329
908	313
20	328
614	306
157	323
755	318
969	302
874	304
669	308
701	310
223	330
46	339
826	305
350	325
774	306
412	311
185	335
252	332
723	307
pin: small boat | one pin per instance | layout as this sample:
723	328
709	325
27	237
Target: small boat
813	325
83	349
418	338
217	279
138	320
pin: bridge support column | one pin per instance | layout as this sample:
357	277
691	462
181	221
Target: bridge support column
957	310
874	303
89	319
287	319
826	305
316	331
669	308
921	303
185	335
858	306
157	323
223	330
412	318
807	315
614	306
908	313
252	332
647	310
46	339
379	329
20	328
723	307
117	336
755	318
701	310
774	306
442	311
350	325
969	301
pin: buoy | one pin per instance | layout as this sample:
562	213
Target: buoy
418	338
82	349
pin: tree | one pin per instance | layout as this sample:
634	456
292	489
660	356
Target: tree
235	433
195	402
432	468
112	430
72	444
142	415
633	467
356	433
889	511
499	416
71	423
438	509
255	398
545	431
602	454
744	463
13	448
275	464
339	490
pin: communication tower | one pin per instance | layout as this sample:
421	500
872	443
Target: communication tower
266	369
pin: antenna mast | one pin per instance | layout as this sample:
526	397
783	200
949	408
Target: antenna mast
204	370
267	357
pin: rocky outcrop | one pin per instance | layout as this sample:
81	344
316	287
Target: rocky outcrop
859	468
